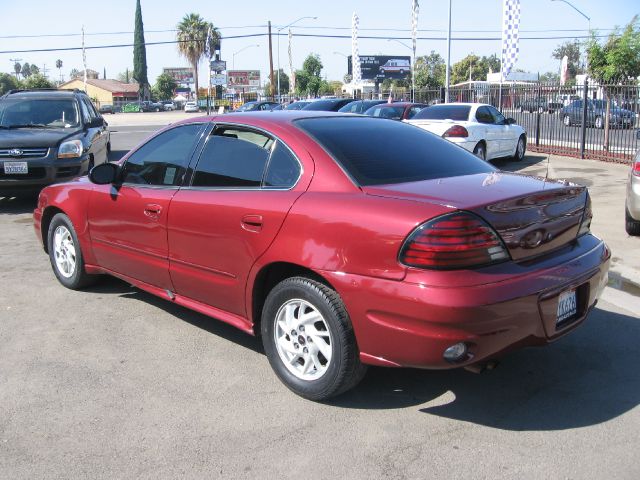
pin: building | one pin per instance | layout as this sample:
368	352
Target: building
106	92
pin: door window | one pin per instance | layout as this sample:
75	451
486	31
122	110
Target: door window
483	115
163	159
283	170
497	116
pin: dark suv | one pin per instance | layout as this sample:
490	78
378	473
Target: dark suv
48	136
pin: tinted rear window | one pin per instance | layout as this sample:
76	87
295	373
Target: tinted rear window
377	152
386	111
322	105
445	112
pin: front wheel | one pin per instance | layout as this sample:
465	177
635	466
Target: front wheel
631	226
480	151
520	148
309	340
65	254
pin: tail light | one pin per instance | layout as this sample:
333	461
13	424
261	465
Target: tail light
454	240
587	215
636	167
456	131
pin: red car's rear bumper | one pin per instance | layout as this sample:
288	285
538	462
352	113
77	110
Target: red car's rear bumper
411	323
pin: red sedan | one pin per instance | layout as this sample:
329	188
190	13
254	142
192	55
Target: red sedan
396	110
345	241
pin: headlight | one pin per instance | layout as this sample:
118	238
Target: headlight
71	149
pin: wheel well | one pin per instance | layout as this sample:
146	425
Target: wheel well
47	215
481	142
269	277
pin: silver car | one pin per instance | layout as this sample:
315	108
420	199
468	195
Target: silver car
632	204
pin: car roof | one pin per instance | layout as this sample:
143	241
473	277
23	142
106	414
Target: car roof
278	117
462	104
44	93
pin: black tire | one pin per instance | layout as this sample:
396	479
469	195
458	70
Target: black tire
631	226
480	151
519	155
108	147
344	370
78	278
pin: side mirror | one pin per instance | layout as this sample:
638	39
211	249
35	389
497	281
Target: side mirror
95	123
104	173
509	121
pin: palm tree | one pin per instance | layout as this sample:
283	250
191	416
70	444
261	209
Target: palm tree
59	67
192	40
17	68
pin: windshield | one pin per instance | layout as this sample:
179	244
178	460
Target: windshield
386	111
459	113
376	152
38	112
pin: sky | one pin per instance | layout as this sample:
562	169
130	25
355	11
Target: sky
43	24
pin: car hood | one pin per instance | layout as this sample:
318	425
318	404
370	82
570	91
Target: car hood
532	215
35	137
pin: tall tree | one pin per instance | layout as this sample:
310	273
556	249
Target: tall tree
430	71
615	62
7	82
164	87
34	69
284	81
474	67
572	50
192	40
59	67
26	69
17	68
308	80
140	53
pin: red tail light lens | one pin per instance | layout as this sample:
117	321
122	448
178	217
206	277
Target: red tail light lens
585	225
454	240
456	131
636	168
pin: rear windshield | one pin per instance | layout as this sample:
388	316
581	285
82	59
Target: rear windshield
444	112
374	151
386	111
321	105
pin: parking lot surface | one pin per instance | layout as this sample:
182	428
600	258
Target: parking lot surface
112	382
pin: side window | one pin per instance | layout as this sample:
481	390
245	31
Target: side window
497	116
84	111
233	158
483	115
91	109
163	159
413	111
283	170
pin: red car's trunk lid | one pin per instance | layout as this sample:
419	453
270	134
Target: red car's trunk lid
531	215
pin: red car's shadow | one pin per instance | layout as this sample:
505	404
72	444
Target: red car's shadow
587	378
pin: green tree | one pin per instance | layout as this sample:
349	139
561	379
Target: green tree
308	80
284	82
192	40
59	67
430	71
615	62
140	53
164	87
550	77
572	50
8	82
17	68
75	73
125	76
26	70
34	69
474	67
38	81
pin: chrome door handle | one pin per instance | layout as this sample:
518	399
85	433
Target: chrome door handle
152	210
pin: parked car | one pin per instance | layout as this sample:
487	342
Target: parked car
596	110
168	105
540	105
396	110
149	106
476	127
191	107
343	240
360	106
48	136
258	106
299	105
328	104
106	109
632	203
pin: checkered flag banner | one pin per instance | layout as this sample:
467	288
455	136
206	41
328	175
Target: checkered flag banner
510	28
415	9
356	74
292	74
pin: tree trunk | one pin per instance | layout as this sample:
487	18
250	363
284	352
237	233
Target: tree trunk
195	78
606	121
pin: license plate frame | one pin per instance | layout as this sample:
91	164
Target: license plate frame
567	306
16	168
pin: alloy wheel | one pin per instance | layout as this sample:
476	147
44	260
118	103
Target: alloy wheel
64	251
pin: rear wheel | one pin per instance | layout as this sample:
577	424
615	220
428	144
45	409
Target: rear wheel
631	226
480	151
520	148
598	123
65	254
309	341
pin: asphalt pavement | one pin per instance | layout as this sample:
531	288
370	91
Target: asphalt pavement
112	382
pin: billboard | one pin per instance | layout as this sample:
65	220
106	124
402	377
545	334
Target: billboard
218	65
180	74
379	67
243	79
218	79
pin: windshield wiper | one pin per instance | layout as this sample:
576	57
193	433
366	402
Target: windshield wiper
28	125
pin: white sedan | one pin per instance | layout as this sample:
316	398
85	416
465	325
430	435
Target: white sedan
191	107
477	127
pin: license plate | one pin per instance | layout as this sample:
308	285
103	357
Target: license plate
567	306
15	167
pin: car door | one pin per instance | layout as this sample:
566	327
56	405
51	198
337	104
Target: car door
490	132
244	183
128	221
507	134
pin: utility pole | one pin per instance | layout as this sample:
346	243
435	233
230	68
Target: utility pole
448	74
270	61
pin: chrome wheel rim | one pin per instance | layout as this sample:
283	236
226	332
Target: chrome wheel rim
520	148
64	251
303	339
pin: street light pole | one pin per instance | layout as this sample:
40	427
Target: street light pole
581	13
448	74
233	56
278	35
